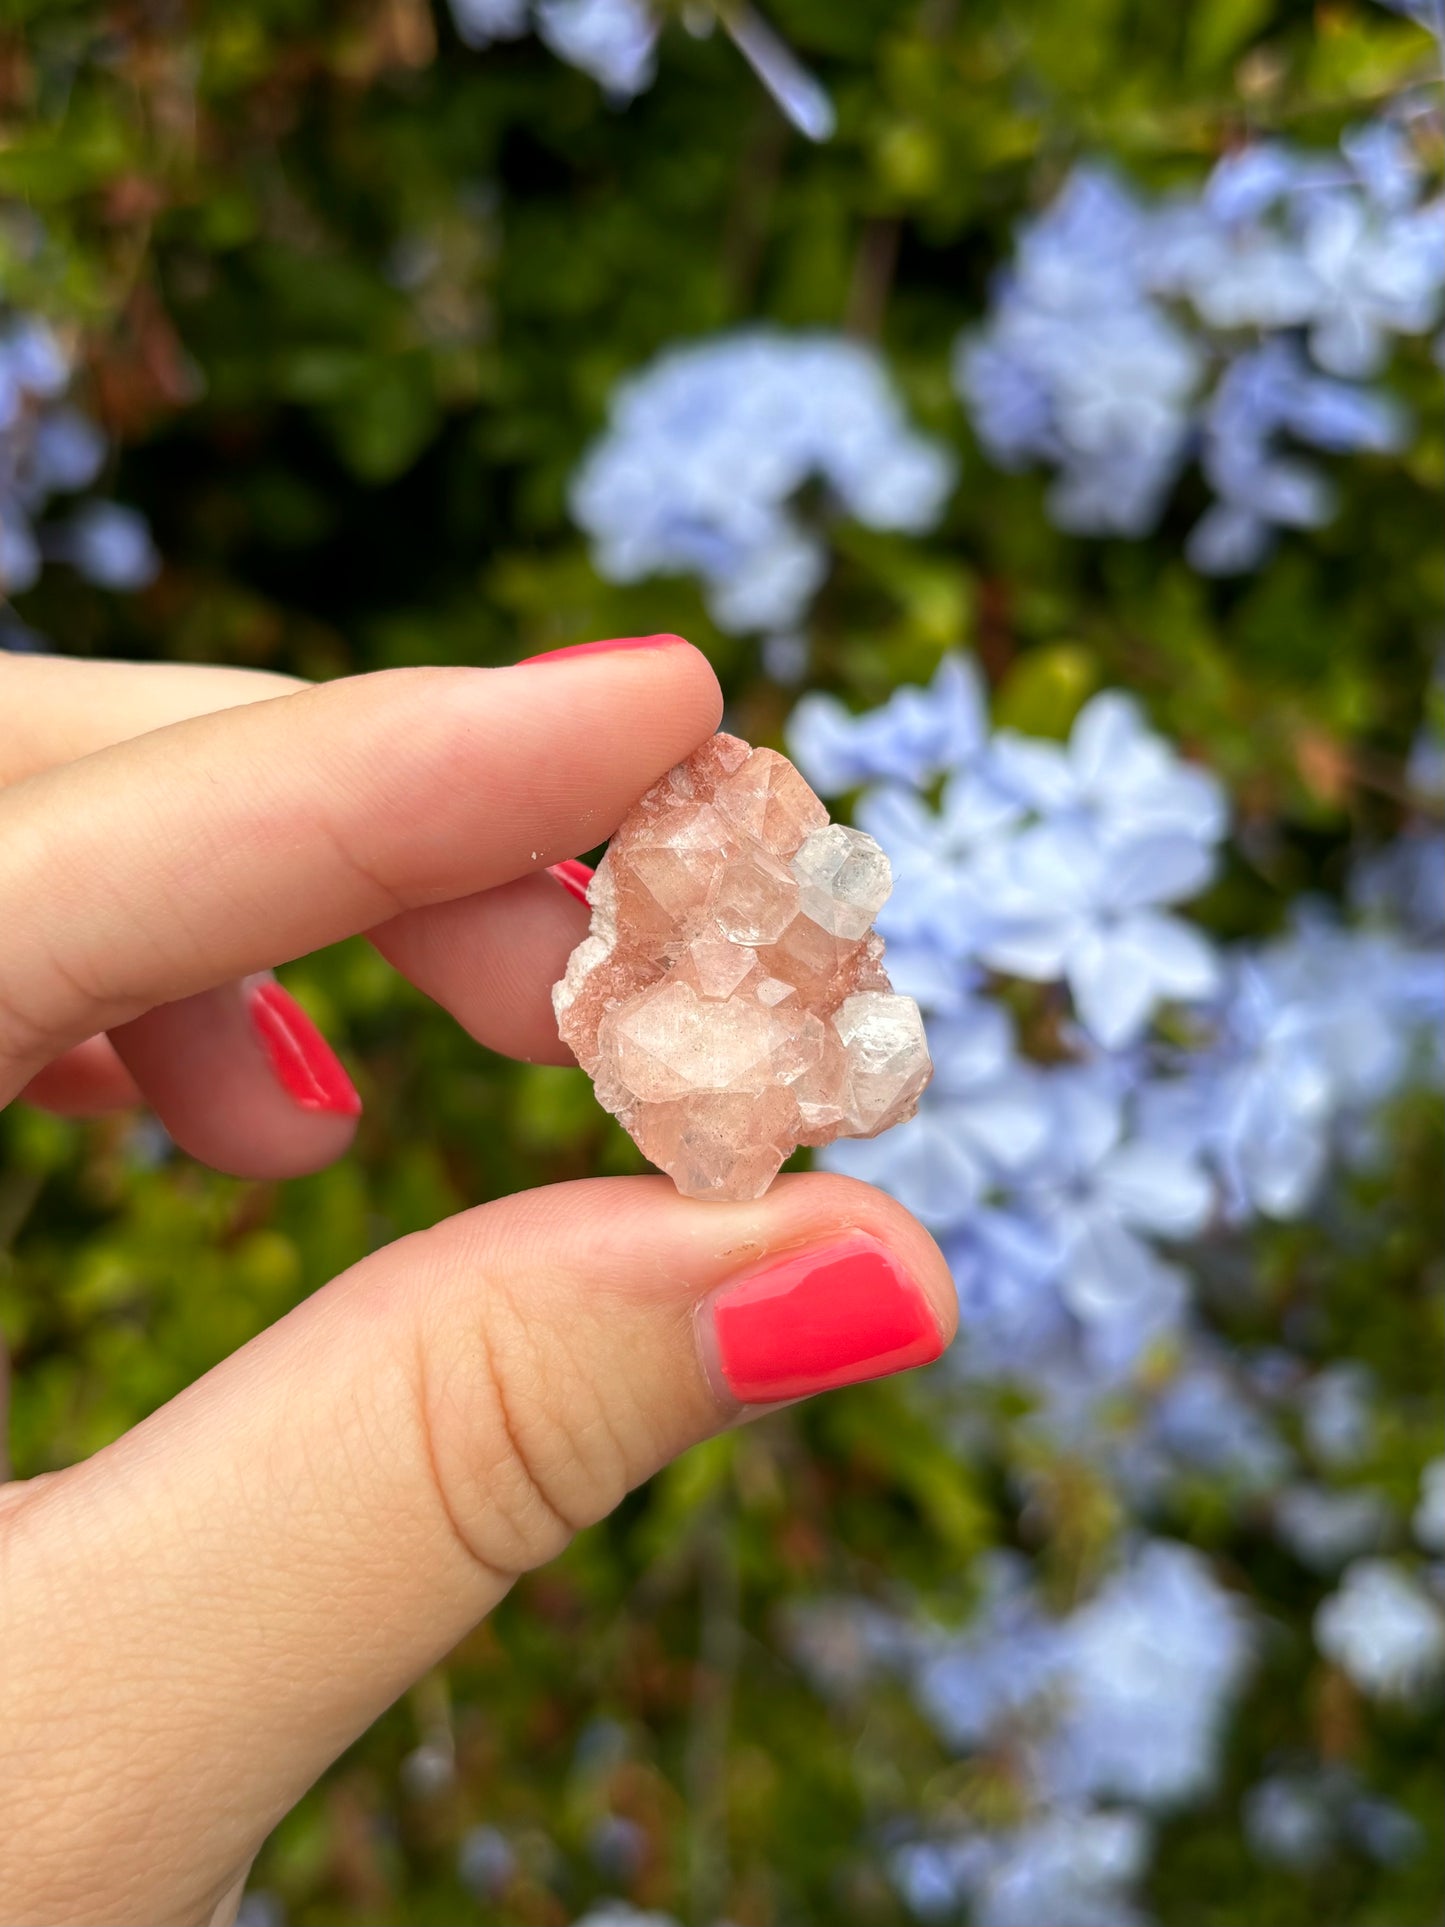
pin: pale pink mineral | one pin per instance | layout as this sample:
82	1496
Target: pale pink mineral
730	1002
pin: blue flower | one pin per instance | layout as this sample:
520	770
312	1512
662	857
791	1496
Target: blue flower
613	40
1151	1663
1383	1628
1012	1321
1104	1194
916	735
1428	1521
47	447
1124	1697
1324	1527
708	447
1068	905
798	93
1299	1820
1204	1419
1071	1868
1375	276
1116	777
994	1671
1127	336
480	22
1288	1821
1264	394
1338	1420
1080	367
984	1117
110	545
941	857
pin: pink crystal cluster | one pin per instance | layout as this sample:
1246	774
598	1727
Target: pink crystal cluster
730	1001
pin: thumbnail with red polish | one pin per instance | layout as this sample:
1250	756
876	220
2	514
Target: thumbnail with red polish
817	1319
608	648
305	1066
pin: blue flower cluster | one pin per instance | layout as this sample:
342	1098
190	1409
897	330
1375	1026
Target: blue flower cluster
49	448
707	449
615	41
1237	326
1092	1721
1114	1095
1059	1189
1109	1714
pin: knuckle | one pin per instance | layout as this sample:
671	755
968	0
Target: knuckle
521	1447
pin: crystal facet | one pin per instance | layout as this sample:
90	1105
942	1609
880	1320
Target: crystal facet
730	1002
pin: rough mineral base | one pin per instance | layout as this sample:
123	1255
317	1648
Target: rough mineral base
730	1001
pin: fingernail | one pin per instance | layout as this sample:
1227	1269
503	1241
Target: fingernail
306	1067
815	1320
605	648
573	875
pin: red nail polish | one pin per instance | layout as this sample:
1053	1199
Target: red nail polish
605	648
818	1319
306	1067
573	875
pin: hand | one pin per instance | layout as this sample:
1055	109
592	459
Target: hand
197	1620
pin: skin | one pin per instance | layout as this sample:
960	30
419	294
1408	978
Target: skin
197	1620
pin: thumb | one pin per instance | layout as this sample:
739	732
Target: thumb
200	1618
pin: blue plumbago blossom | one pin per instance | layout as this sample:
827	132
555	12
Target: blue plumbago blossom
1297	1820
1264	395
707	448
1072	1869
49	448
1428	1522
1042	860
1066	1195
1074	1192
1104	1194
1065	905
1313	1031
916	735
1241	323
1325	1528
1337	1415
990	1117
1122	1699
1403	884
1203	1418
1080	367
1152	1662
615	41
1384	1629
1064	863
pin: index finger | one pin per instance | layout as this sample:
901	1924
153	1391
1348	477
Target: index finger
226	844
59	707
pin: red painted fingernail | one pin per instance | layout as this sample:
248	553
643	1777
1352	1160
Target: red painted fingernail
573	875
817	1319
306	1067
605	648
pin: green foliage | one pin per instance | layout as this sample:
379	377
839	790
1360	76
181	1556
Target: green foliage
354	300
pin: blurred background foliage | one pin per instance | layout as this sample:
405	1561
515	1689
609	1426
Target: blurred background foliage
350	299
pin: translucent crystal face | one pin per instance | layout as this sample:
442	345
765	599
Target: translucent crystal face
729	1002
843	880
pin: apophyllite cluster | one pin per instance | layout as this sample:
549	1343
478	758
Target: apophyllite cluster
730	1002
